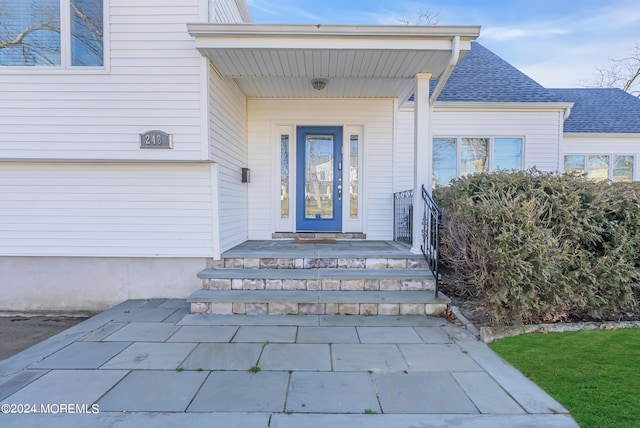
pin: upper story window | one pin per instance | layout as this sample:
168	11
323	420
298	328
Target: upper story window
52	33
457	156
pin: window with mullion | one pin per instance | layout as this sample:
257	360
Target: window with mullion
34	33
615	168
459	156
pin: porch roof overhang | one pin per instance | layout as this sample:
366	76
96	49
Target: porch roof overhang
279	61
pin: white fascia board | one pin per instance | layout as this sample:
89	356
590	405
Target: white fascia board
599	135
466	106
269	36
289	30
309	42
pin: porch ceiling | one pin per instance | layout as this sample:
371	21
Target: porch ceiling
279	61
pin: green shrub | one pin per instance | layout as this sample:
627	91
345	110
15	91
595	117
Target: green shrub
542	247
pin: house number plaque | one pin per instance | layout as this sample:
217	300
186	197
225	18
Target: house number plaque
156	140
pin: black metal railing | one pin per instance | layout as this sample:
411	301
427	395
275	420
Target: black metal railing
431	234
403	216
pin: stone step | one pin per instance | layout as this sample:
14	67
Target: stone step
315	274
317	279
260	302
269	296
324	262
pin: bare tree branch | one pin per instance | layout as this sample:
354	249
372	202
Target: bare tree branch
93	27
424	17
24	33
623	73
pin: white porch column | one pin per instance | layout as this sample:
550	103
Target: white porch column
421	154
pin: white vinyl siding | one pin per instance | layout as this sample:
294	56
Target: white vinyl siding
376	117
152	82
404	152
224	11
117	210
228	148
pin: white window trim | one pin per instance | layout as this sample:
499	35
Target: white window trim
491	147
65	66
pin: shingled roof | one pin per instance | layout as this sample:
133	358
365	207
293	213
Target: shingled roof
601	110
482	76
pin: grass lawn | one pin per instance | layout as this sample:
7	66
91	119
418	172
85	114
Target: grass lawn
594	374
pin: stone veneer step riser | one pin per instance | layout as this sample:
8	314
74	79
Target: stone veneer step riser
319	284
243	308
317	263
279	275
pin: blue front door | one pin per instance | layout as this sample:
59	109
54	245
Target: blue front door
319	178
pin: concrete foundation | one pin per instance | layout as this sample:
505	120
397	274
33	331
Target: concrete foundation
92	284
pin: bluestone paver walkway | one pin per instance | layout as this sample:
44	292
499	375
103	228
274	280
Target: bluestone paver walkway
150	363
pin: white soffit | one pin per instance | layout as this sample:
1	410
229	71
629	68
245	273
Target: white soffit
278	61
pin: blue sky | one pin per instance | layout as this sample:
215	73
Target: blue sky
559	43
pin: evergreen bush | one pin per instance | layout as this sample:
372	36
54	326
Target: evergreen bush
538	247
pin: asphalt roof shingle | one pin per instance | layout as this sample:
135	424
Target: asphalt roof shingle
482	76
601	110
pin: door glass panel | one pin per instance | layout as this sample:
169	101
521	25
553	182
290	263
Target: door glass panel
598	167
284	176
622	169
475	155
353	177
318	167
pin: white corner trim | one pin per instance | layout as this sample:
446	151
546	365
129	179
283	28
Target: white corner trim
205	152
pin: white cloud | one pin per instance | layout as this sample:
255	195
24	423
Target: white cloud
611	17
507	33
566	50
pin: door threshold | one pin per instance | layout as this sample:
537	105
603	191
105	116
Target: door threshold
319	235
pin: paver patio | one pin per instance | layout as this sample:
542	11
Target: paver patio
165	367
